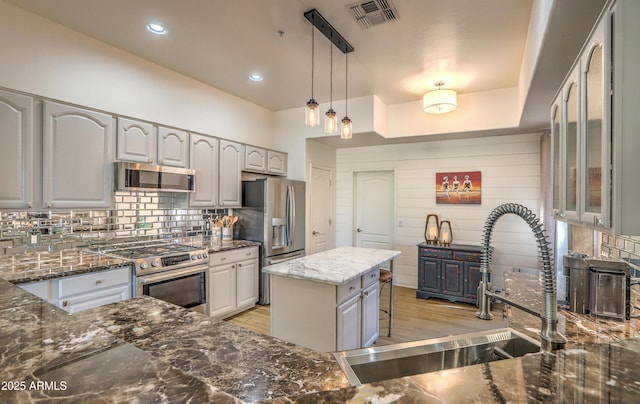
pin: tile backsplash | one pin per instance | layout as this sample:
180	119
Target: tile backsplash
626	248
135	214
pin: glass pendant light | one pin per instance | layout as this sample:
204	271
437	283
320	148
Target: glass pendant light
331	121
311	117
346	132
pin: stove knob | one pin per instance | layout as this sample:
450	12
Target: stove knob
154	263
205	255
193	257
144	265
199	256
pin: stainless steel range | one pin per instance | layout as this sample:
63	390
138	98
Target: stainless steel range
175	273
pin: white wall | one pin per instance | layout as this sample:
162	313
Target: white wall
46	59
510	167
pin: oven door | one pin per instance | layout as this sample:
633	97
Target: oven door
185	287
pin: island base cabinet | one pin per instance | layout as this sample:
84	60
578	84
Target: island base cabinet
326	317
304	312
349	318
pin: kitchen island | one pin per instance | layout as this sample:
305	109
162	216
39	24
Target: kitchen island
328	301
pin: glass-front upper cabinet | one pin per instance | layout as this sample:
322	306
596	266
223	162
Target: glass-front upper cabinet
556	152
598	140
595	137
571	100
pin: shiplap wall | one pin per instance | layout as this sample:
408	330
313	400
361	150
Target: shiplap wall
510	167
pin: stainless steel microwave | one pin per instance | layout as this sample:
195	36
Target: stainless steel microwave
147	177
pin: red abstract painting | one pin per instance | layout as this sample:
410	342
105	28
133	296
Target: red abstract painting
462	187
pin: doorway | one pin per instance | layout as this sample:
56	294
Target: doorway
321	202
374	209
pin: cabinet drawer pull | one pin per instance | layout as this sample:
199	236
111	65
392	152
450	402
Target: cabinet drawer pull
223	259
366	293
65	303
352	287
248	254
99	281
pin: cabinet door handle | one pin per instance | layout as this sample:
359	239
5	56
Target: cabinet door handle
352	288
359	230
223	258
65	303
239	265
366	293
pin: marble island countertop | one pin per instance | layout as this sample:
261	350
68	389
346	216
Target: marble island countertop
336	266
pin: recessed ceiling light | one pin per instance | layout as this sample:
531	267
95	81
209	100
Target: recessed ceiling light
255	77
156	29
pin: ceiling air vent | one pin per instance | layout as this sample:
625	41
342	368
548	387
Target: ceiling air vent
373	12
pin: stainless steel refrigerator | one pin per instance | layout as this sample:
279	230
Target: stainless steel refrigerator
273	213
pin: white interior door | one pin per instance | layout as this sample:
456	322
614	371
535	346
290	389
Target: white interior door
374	210
320	209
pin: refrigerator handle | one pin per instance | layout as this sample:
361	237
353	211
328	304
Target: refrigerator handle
291	214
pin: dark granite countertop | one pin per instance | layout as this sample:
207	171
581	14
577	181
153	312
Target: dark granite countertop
146	350
42	265
580	329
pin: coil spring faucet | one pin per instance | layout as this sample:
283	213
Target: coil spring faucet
550	338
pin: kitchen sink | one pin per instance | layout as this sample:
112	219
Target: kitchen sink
410	358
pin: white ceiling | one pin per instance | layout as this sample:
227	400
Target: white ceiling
472	45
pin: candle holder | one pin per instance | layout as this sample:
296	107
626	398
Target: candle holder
445	234
431	229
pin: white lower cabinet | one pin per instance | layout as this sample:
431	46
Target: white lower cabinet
349	318
82	292
323	316
232	282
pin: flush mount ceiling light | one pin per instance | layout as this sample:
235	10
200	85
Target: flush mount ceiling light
439	101
156	29
255	77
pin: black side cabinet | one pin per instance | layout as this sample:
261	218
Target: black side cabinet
451	273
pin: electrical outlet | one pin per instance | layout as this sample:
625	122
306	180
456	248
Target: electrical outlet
399	223
34	239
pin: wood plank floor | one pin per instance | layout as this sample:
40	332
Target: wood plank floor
414	319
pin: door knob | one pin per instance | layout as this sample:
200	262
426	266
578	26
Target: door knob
315	233
359	230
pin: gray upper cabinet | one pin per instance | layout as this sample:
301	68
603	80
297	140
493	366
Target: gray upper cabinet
260	160
255	159
77	157
16	152
231	163
276	163
594	121
204	159
136	141
173	147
